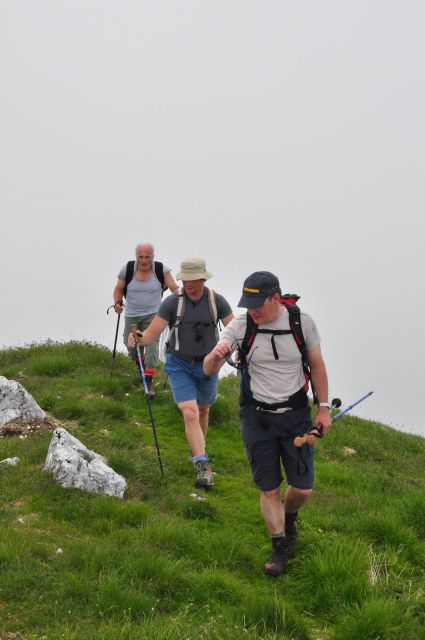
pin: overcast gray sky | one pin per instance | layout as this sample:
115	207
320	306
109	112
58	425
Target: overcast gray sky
280	135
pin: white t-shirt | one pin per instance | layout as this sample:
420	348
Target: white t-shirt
267	379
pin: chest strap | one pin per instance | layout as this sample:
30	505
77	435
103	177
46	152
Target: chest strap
275	332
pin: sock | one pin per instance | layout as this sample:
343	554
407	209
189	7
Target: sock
203	457
277	535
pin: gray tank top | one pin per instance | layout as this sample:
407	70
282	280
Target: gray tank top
143	298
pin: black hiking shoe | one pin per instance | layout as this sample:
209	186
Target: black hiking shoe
204	476
291	529
278	560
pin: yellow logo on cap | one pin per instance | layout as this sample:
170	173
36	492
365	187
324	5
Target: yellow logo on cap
251	290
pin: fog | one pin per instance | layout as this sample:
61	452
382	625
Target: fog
260	135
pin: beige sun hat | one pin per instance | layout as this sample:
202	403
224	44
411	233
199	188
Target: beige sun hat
193	269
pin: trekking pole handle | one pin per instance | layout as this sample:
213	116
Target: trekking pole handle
134	330
113	305
316	432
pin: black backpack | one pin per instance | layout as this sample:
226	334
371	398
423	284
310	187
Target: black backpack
159	272
289	301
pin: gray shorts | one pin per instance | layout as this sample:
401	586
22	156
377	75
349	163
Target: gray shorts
152	351
269	442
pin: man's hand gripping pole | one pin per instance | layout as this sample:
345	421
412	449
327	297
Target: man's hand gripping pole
316	432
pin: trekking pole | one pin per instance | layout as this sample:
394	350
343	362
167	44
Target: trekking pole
316	432
148	400
116	336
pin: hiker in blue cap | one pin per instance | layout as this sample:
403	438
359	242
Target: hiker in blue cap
274	355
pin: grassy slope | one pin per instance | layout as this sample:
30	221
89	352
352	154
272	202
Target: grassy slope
163	564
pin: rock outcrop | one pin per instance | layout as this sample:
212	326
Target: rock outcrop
10	462
73	465
16	402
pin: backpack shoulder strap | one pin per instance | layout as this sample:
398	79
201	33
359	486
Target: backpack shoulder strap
180	307
246	344
295	325
129	273
212	305
297	332
159	272
179	319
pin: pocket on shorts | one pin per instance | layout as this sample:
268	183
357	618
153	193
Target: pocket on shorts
299	422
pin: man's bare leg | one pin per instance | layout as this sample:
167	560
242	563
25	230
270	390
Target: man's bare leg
192	425
283	534
273	512
204	412
296	498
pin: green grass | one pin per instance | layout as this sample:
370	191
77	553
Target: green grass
163	564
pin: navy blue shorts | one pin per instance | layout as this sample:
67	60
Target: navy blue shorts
189	382
269	442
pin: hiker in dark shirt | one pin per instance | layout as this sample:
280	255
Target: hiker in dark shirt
143	292
274	405
192	316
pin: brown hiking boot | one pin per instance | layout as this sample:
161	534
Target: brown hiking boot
276	564
204	476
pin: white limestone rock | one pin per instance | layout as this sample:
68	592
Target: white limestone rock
347	451
16	402
73	465
10	462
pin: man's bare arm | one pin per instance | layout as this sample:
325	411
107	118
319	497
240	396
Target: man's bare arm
319	379
217	357
118	296
170	282
228	319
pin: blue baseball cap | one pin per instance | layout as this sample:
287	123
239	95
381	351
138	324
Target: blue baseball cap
257	287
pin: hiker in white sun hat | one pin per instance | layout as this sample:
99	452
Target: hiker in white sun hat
192	315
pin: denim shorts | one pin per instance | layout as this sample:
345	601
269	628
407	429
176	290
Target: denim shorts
189	382
269	442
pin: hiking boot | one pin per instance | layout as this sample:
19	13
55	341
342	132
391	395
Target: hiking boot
276	564
204	476
291	529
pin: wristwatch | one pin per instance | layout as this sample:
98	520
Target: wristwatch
325	404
